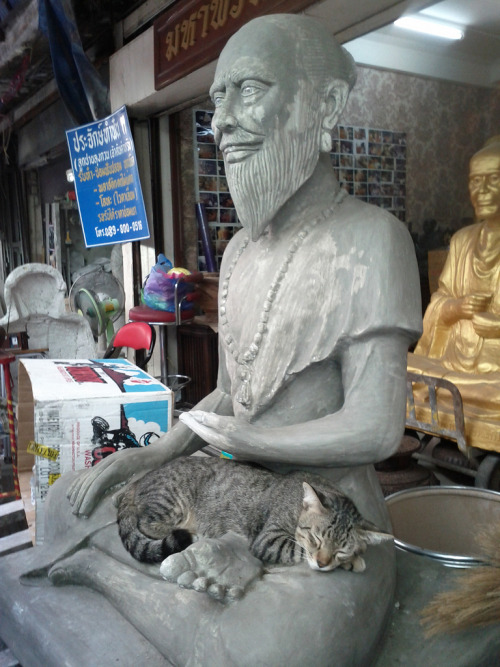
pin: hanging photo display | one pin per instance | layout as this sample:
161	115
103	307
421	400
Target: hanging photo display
370	164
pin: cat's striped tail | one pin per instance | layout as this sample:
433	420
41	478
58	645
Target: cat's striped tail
141	546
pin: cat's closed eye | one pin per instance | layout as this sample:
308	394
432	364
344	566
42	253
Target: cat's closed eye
307	536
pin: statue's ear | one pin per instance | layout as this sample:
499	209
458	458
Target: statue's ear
370	534
336	96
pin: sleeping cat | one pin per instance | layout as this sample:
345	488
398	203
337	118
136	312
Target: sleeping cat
286	518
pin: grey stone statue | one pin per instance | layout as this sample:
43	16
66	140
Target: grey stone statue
318	303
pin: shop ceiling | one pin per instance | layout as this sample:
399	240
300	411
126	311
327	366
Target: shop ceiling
364	26
475	59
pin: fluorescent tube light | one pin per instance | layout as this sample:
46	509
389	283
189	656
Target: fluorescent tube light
429	27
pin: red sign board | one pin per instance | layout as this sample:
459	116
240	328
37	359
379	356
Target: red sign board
192	33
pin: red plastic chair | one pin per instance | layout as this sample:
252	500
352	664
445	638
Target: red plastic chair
137	335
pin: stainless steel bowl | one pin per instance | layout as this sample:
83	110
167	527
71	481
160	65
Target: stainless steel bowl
443	522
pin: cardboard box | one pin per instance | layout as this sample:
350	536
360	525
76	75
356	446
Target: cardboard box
24	460
74	413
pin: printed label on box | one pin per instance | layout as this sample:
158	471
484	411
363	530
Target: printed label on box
84	411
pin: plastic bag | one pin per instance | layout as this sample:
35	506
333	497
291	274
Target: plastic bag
159	287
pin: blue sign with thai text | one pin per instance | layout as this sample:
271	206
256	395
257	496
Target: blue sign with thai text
108	189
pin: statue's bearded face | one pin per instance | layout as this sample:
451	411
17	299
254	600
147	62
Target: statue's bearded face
266	123
484	184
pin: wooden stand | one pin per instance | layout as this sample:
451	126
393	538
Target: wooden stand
198	358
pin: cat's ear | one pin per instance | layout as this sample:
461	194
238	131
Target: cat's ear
311	502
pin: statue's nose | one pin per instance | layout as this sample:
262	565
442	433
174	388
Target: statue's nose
225	121
485	185
225	116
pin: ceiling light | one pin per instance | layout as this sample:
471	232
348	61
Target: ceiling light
429	27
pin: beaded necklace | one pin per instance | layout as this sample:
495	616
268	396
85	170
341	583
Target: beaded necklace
245	359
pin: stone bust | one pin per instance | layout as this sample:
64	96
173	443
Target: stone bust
318	303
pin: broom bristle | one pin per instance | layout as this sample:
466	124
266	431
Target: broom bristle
476	599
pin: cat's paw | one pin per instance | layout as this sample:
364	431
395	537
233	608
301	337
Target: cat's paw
223	568
357	564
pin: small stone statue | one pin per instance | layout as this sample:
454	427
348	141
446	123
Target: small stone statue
318	303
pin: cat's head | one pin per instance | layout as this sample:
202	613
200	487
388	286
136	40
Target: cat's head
333	533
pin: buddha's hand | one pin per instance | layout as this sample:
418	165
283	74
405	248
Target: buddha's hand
474	303
486	325
90	486
465	307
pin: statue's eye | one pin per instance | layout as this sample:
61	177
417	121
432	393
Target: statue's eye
248	90
217	99
252	88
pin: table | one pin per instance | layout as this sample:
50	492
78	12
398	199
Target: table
162	319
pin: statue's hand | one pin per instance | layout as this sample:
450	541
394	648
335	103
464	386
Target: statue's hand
226	433
486	325
474	303
464	308
88	488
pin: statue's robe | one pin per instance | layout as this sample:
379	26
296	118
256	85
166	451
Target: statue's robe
353	278
456	352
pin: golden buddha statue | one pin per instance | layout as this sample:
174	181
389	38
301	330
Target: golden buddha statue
461	337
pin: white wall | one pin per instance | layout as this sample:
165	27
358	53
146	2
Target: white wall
132	80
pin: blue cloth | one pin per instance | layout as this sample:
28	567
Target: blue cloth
82	90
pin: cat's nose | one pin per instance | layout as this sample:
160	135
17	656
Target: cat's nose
322	560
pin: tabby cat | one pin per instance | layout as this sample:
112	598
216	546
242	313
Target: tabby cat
286	518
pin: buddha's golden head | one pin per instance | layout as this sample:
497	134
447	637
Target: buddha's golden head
484	181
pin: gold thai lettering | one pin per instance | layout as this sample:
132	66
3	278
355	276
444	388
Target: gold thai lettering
220	10
209	17
236	9
172	43
188	31
204	10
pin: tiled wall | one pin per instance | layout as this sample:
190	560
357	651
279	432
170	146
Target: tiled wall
444	124
369	164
